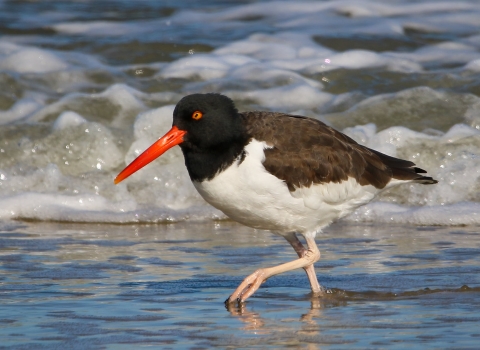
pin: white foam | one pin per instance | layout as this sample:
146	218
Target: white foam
68	119
117	103
50	206
459	132
389	140
95	28
288	98
22	109
272	47
360	59
416	108
441	53
463	213
204	66
264	74
29	59
473	65
391	10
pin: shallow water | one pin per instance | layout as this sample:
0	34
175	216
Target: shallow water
102	286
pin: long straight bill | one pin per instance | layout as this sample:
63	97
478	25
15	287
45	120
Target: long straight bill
170	139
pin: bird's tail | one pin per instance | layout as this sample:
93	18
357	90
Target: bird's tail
405	170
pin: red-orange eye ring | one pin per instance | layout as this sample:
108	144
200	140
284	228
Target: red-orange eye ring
197	115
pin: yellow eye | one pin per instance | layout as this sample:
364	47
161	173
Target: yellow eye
197	115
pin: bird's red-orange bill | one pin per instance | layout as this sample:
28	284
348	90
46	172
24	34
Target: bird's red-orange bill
167	141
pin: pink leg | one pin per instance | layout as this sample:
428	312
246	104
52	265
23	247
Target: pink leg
310	269
251	283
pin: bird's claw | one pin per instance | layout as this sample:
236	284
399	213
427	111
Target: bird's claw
249	285
229	301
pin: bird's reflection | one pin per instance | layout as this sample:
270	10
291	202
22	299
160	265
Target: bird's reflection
316	306
254	322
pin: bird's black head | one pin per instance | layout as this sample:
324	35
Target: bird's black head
209	120
210	132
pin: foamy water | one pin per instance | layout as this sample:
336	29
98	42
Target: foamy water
82	96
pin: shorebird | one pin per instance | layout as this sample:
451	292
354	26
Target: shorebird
273	171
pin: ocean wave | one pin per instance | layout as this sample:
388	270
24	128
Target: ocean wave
75	107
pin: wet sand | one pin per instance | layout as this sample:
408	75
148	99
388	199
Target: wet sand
88	286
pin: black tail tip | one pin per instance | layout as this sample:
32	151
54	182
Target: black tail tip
426	180
420	170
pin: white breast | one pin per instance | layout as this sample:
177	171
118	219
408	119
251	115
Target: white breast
247	193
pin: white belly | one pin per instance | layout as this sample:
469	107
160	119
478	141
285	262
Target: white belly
247	193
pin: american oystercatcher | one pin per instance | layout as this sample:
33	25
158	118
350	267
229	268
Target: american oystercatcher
284	173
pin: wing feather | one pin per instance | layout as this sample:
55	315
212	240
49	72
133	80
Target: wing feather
305	151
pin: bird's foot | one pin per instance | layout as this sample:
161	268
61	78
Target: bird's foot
249	285
319	293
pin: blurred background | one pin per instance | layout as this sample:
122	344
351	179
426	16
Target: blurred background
87	85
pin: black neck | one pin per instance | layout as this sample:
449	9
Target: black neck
205	164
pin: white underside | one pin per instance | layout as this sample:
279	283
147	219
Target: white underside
247	193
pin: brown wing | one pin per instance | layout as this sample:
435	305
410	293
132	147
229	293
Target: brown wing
306	151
